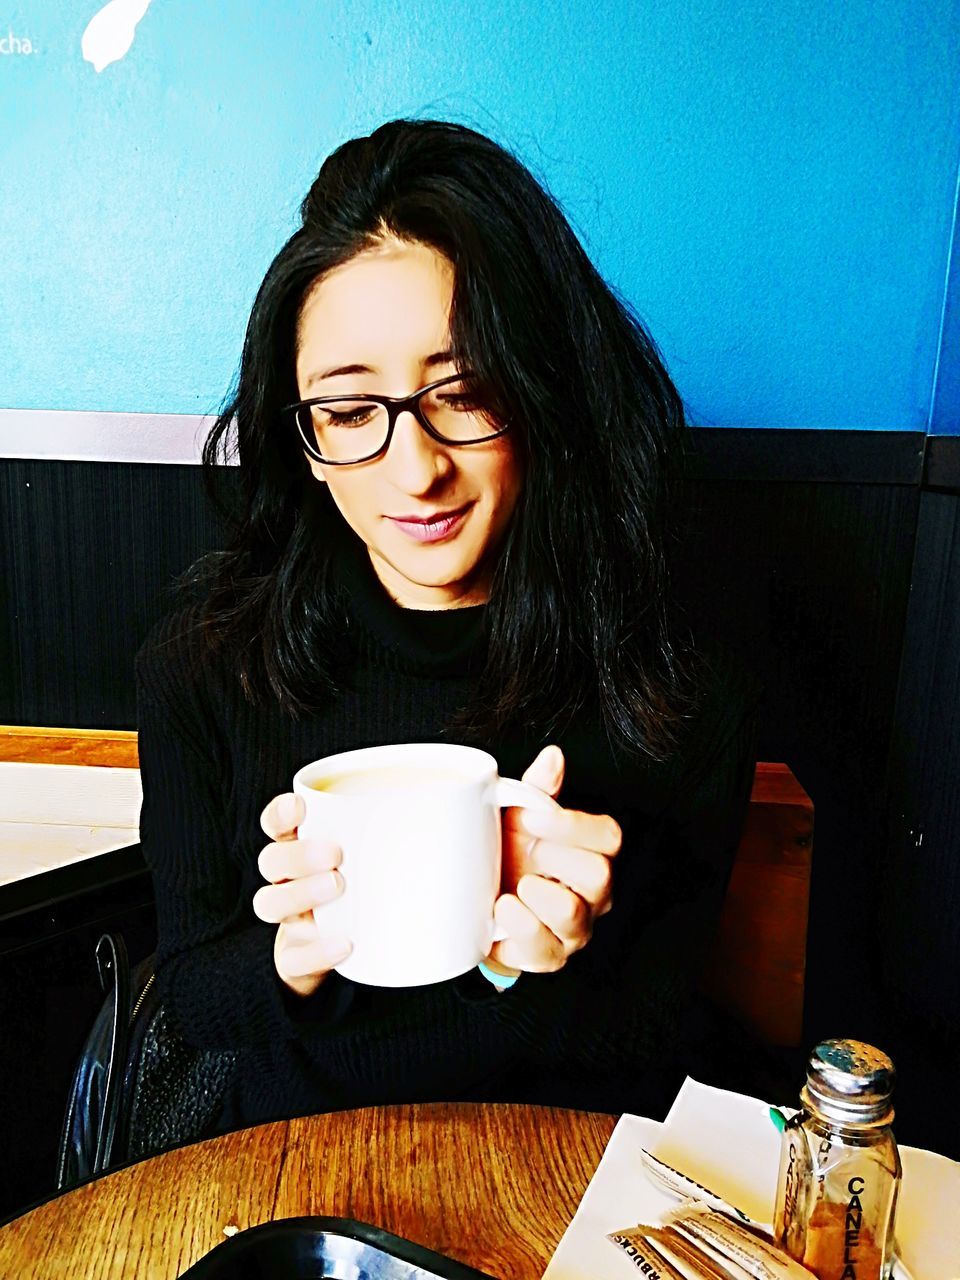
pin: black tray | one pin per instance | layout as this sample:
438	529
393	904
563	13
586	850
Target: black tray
322	1248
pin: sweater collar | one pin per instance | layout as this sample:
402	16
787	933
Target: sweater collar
440	642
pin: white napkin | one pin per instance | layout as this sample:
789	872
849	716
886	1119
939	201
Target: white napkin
727	1142
618	1196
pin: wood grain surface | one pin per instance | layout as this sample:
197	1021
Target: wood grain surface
491	1185
116	748
758	963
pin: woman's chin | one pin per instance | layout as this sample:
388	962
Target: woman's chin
422	578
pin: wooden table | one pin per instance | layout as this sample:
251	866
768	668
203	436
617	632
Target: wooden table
492	1185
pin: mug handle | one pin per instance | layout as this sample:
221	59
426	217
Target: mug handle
511	793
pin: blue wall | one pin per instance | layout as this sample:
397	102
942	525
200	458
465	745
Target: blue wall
772	185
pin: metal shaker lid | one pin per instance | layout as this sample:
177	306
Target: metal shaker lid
849	1082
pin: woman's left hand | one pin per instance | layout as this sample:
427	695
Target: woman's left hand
556	876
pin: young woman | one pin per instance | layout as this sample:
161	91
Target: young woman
455	449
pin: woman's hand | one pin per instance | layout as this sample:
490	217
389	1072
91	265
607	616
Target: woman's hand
302	875
556	876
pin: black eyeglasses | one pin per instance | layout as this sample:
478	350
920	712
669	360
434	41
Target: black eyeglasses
340	430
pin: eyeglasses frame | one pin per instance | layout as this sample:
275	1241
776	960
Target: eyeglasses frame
394	405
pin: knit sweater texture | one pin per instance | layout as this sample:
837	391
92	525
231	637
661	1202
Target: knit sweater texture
608	1031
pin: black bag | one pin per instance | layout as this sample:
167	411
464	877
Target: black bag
138	1088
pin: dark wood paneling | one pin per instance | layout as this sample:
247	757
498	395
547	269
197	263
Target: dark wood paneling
942	463
90	553
830	457
917	954
921	952
809	583
9	553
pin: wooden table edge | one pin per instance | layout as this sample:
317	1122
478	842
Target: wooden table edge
36	744
487	1206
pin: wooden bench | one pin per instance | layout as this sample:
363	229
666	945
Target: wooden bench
758	962
759	958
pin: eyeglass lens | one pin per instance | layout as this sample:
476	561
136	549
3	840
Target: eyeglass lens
351	429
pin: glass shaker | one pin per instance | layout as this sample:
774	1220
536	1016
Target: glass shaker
839	1166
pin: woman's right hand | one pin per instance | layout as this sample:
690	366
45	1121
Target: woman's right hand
302	875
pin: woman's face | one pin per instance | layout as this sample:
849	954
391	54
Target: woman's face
380	324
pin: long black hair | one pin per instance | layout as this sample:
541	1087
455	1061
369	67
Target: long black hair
578	611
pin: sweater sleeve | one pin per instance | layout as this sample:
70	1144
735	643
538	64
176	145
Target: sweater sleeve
214	957
618	1005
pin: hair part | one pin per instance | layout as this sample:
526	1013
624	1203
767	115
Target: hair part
579	606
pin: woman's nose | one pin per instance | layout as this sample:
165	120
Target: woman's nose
415	459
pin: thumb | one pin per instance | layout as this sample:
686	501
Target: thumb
547	770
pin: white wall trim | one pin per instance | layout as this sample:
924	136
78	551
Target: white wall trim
102	437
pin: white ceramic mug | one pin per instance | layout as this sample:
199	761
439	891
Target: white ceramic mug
419	827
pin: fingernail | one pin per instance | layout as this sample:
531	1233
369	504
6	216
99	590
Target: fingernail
338	951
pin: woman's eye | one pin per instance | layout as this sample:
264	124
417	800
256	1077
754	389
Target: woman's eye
463	403
357	417
464	396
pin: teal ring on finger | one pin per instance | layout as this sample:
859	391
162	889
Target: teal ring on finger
502	981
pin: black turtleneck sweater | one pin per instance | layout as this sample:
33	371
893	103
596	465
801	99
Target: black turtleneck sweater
607	1031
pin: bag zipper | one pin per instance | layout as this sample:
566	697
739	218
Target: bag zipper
141	997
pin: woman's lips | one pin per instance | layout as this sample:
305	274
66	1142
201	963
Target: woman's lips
434	529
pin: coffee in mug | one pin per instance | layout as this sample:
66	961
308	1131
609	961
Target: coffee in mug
419	827
391	778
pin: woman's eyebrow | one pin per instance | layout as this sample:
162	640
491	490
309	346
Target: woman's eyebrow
341	370
337	371
439	357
